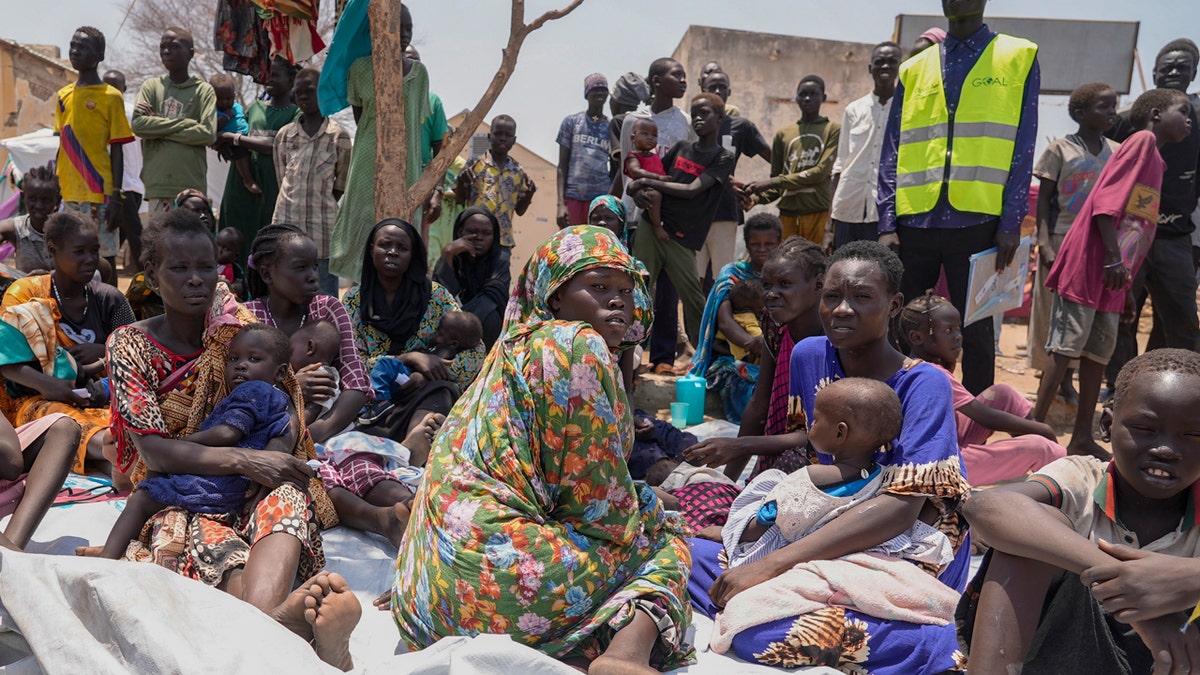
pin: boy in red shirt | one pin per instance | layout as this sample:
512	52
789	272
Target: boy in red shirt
1101	254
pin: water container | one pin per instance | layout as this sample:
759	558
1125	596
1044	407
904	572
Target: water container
690	389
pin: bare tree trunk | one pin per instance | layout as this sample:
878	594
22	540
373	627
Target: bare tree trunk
416	194
391	156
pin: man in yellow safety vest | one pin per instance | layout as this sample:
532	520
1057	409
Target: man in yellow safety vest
956	163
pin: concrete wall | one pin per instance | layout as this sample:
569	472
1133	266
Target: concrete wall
538	223
763	70
28	82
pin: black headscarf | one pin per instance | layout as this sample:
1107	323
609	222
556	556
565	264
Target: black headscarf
488	275
401	320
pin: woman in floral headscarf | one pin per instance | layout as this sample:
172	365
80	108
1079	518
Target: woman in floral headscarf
538	529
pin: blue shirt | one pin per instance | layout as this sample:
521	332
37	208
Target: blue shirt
958	58
234	121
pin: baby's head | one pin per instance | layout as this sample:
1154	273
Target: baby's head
315	342
223	87
229	246
853	418
645	134
457	332
1154	423
746	297
258	352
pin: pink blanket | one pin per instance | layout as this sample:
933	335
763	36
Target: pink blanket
876	585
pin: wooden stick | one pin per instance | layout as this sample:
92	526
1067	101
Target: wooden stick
391	156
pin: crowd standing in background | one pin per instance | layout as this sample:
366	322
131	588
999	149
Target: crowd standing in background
485	427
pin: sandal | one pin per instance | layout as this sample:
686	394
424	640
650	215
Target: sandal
664	369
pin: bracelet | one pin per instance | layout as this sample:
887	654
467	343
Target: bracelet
1119	263
237	140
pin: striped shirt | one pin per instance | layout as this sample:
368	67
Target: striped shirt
310	170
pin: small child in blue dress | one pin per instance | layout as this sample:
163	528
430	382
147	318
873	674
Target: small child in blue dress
256	415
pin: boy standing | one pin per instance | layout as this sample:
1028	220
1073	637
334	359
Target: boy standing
741	137
1169	277
667	81
802	159
89	119
496	181
131	181
176	116
583	155
689	202
1101	254
853	215
312	160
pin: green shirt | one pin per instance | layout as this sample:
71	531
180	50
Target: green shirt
802	159
174	138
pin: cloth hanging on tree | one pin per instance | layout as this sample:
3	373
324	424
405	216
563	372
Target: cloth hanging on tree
239	35
292	27
351	41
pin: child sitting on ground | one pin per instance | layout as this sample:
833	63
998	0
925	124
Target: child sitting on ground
1094	564
317	343
1101	254
458	332
644	162
932	328
255	414
746	300
231	118
229	251
852	419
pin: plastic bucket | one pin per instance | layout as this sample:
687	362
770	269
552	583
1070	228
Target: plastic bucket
690	389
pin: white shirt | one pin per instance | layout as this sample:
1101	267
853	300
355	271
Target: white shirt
859	148
131	180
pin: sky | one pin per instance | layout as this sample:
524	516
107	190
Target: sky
460	41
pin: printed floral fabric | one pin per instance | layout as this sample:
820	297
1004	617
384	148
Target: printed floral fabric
158	392
527	521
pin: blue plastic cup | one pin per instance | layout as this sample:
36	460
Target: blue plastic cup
679	414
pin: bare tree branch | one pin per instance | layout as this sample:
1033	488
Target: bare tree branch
418	193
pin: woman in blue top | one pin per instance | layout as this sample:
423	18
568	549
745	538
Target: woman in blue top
923	478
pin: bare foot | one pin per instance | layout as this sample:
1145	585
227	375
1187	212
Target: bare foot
333	611
290	612
1089	447
89	551
611	665
396	520
420	439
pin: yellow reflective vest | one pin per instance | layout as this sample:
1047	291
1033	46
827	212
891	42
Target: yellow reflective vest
972	152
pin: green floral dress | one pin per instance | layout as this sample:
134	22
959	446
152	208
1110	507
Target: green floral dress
527	521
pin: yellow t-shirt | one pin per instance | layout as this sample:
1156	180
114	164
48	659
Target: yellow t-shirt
749	322
88	120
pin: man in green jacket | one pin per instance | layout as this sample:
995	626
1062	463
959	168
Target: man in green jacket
176	117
